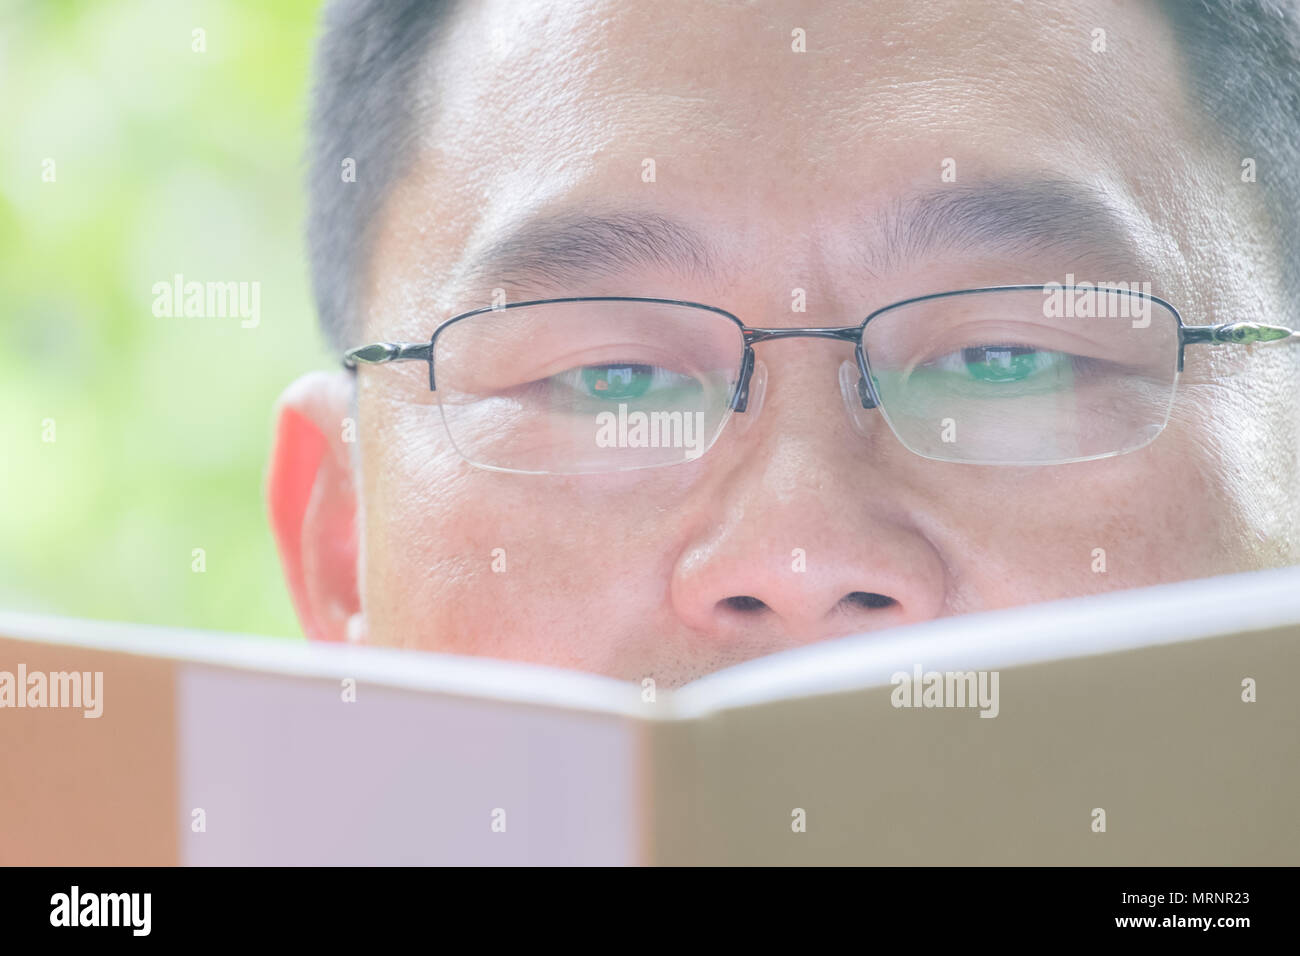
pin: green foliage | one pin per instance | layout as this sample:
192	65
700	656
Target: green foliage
166	161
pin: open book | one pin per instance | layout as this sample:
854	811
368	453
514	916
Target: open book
1155	726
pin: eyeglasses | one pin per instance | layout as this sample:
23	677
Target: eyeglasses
1006	375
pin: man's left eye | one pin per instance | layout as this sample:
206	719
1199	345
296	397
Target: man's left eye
1001	363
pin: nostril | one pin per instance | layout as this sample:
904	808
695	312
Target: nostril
743	602
868	599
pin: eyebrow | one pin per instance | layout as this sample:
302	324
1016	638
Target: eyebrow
1057	217
567	249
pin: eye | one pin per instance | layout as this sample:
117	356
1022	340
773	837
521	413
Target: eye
1002	363
625	381
613	382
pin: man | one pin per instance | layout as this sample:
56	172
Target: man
787	166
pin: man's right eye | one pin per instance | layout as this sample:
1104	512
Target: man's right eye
614	382
623	382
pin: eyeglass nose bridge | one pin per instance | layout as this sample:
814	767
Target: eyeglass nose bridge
852	333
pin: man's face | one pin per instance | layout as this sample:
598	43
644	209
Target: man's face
803	170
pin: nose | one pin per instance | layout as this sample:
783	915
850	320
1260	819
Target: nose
806	548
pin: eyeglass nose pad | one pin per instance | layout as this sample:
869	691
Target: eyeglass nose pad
858	396
756	390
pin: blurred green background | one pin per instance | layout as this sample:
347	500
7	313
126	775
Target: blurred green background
166	160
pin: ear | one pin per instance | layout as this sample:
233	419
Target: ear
312	501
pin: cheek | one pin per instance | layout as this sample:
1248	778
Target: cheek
1244	456
470	561
1165	513
417	562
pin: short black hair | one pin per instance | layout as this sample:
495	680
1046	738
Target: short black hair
367	64
1242	58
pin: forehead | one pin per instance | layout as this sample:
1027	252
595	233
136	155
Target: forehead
532	108
547	82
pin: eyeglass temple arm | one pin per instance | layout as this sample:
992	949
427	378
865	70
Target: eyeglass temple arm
380	352
1237	332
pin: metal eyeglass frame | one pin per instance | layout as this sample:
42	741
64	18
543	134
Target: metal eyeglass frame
380	353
